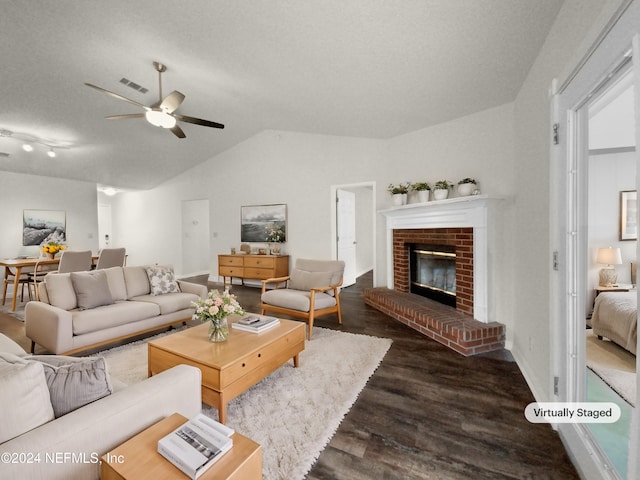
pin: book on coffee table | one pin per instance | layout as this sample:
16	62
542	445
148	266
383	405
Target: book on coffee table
255	323
196	445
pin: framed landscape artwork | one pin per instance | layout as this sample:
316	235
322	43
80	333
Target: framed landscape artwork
258	222
628	212
40	226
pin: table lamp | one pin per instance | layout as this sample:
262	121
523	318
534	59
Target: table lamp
608	256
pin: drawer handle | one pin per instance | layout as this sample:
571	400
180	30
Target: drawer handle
259	355
243	364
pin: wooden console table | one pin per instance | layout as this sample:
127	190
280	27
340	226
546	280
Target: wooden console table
258	267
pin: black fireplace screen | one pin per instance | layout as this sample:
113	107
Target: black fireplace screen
433	272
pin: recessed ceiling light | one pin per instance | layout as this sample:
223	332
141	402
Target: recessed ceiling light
51	153
27	147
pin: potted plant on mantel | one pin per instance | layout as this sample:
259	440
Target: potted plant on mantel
441	189
423	189
399	192
466	186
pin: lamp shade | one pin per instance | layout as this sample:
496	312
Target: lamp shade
609	256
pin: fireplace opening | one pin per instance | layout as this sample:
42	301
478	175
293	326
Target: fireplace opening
432	272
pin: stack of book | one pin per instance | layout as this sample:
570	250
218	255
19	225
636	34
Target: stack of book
255	323
196	445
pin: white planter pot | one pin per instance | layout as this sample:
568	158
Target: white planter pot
399	198
423	196
466	189
440	194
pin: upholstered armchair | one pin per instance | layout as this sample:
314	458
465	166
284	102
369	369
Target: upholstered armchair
312	290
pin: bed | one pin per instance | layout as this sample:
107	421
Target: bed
615	317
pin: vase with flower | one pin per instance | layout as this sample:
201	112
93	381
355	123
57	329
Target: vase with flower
51	248
275	236
216	309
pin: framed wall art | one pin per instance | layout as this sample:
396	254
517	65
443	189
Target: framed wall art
628	215
40	226
263	223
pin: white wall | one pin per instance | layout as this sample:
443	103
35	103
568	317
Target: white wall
573	31
272	167
78	199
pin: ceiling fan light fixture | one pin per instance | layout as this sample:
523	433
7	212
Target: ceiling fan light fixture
160	119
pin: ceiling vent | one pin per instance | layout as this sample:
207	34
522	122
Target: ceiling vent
133	85
4	154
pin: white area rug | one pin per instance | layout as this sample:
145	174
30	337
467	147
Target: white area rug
294	412
614	365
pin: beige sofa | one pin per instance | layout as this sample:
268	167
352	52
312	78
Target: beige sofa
80	310
70	446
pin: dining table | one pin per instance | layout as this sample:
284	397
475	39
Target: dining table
14	266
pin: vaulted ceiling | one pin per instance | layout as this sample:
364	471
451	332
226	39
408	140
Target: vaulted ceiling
359	68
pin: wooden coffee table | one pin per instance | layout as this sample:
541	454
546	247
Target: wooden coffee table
138	458
228	368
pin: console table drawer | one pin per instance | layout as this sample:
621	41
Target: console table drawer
258	267
259	262
230	260
259	273
231	271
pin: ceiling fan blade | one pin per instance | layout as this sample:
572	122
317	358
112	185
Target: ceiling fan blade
116	95
172	101
126	116
177	131
198	121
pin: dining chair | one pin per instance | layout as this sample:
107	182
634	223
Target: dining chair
111	257
9	278
312	290
75	261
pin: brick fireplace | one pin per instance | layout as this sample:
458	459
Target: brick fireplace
459	238
464	223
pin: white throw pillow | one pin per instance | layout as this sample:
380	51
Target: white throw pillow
24	396
60	291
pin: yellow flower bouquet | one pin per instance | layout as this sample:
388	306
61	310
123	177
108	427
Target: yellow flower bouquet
52	248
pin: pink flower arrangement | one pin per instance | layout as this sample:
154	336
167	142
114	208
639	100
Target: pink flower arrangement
216	307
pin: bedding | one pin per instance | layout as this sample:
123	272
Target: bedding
615	317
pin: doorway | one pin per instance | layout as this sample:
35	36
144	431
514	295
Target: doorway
611	170
578	182
353	220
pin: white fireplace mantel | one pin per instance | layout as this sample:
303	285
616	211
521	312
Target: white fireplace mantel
462	212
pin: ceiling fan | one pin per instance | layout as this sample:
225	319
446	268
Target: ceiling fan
163	112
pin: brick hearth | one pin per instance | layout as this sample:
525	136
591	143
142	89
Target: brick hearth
440	322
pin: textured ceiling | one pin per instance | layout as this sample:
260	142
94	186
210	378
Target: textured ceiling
365	68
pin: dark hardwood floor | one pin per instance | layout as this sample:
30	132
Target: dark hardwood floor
427	412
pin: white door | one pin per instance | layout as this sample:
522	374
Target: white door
346	232
195	237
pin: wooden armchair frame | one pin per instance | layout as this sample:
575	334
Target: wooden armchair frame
313	312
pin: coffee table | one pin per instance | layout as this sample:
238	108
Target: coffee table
228	368
138	458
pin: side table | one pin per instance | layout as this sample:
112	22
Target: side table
138	457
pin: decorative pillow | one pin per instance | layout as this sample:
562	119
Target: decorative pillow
162	280
74	382
60	291
92	289
303	280
24	396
